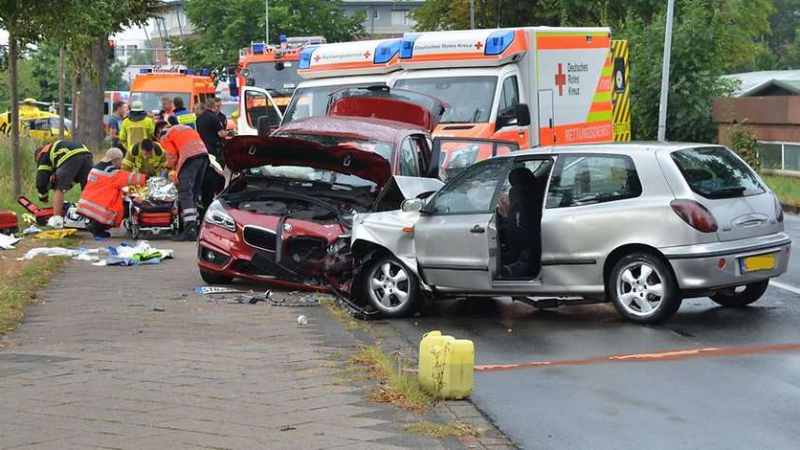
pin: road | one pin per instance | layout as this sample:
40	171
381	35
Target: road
595	382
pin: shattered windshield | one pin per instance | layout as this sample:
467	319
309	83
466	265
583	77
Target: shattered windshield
469	98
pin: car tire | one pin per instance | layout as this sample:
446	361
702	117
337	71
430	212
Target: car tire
729	298
643	289
215	278
390	287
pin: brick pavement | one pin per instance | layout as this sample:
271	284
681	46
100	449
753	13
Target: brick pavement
131	358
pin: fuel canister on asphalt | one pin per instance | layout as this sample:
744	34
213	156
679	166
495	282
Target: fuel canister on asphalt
446	365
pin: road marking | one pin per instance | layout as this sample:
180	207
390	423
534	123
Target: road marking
671	355
785	287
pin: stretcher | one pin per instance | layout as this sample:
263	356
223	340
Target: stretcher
150	217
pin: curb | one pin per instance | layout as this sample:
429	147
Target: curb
791	209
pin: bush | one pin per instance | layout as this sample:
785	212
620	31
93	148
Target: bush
744	144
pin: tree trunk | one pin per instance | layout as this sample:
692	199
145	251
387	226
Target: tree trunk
62	85
73	129
16	163
90	104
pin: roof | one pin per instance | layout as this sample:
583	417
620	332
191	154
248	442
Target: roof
768	82
356	127
612	148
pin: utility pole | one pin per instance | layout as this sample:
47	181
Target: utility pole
662	109
266	21
471	14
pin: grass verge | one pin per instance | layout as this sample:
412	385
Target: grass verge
22	279
786	188
394	386
441	431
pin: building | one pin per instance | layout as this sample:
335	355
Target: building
150	43
385	18
768	105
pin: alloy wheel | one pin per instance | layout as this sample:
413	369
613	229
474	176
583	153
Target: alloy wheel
389	286
640	289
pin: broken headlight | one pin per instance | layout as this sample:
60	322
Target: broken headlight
340	245
218	215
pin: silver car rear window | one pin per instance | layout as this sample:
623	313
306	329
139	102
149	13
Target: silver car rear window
715	173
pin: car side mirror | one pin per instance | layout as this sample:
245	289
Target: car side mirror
523	115
412	205
506	120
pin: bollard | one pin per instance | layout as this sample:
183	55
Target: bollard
446	365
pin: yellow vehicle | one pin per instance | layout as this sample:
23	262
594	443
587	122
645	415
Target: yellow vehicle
40	124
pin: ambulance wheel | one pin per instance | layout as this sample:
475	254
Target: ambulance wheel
215	278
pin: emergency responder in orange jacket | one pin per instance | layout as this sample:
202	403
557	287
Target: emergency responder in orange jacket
187	155
101	200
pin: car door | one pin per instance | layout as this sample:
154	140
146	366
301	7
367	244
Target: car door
257	106
456	235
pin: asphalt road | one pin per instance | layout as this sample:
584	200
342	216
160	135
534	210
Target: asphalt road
597	382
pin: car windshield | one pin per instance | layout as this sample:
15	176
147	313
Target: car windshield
380	147
304	174
278	77
313	101
152	100
469	99
715	172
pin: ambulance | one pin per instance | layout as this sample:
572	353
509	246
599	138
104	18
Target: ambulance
274	68
153	83
39	124
534	86
326	68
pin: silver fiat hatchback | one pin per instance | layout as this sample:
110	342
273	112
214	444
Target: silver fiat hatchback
642	225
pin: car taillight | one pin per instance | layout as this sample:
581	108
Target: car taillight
778	208
695	214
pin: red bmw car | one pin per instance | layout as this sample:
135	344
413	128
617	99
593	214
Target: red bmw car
285	217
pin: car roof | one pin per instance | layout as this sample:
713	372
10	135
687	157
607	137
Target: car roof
359	127
611	147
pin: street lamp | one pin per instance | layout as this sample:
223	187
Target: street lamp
266	22
662	109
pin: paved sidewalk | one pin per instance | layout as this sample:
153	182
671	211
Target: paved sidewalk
131	358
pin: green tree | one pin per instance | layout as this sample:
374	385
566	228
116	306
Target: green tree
27	86
455	14
115	80
141	58
222	28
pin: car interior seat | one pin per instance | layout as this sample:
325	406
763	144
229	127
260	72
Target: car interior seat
523	225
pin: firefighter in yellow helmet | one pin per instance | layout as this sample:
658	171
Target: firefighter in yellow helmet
137	127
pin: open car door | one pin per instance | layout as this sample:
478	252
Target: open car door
382	102
259	115
452	155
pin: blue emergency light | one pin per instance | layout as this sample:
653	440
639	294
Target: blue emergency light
498	42
282	38
188	72
258	48
305	57
204	72
386	50
144	70
407	46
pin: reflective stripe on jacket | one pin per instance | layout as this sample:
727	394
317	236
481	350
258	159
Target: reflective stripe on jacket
134	131
182	143
101	200
153	166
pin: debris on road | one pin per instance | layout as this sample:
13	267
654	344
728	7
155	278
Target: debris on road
209	290
55	234
297	299
302	320
252	299
8	242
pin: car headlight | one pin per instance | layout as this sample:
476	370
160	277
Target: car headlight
218	215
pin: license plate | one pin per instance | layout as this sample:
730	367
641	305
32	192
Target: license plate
756	263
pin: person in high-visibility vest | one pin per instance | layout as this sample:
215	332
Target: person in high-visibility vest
182	116
60	165
101	201
187	155
146	157
137	127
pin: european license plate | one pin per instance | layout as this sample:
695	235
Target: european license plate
756	263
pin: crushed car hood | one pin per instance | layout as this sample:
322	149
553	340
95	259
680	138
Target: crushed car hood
245	152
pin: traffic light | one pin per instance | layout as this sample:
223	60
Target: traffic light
112	49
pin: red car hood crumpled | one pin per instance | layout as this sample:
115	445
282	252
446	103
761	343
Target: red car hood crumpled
245	152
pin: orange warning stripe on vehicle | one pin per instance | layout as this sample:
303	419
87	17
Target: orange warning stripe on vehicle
576	133
577	41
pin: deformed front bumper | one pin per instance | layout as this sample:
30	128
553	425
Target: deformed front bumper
706	267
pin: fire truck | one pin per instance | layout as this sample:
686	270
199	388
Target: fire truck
274	68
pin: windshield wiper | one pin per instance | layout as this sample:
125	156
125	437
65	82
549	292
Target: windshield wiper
726	192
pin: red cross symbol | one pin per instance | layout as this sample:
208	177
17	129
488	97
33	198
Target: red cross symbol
317	58
478	45
561	80
367	54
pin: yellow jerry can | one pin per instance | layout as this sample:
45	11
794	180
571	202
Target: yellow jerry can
446	365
